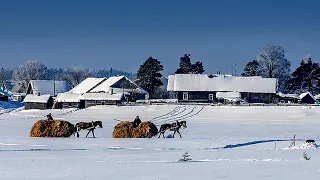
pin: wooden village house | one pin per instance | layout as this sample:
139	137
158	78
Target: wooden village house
205	88
38	101
40	93
100	91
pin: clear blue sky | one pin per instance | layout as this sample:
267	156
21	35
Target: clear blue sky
123	33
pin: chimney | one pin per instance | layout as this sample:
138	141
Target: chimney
110	91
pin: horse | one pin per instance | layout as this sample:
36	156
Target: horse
91	126
172	127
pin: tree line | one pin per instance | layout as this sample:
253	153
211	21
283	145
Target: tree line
271	62
17	79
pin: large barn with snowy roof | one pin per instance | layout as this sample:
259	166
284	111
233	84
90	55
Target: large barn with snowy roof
205	88
100	91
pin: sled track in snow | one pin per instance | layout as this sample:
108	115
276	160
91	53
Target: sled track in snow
176	115
176	111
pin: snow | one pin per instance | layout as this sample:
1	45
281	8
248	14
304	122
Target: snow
34	98
224	142
228	95
68	97
288	95
3	93
87	85
48	86
105	86
201	82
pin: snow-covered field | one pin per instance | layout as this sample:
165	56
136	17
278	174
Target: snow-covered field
223	142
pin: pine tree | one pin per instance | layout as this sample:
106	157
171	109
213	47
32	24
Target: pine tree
306	78
148	75
186	67
251	69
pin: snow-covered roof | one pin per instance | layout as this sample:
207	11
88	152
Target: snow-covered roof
102	96
107	85
68	97
317	96
226	95
34	98
202	82
48	87
87	85
3	93
305	94
288	95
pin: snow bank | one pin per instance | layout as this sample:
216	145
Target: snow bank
304	146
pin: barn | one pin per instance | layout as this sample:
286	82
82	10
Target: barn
38	101
41	87
4	96
204	87
100	91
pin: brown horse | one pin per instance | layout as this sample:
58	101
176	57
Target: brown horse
90	126
172	127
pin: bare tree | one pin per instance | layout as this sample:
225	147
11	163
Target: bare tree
30	70
274	64
74	76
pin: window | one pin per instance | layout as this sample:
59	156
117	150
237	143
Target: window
211	97
185	96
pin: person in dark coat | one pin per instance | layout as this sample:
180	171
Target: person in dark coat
136	122
49	116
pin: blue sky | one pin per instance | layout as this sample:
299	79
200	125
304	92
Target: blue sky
122	34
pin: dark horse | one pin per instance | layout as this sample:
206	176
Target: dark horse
90	126
172	127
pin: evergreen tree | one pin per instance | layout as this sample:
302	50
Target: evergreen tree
306	78
186	67
148	75
251	69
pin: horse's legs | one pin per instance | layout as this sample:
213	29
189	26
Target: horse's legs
93	133
88	133
174	133
159	134
77	134
179	133
163	134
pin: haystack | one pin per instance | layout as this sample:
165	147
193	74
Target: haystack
145	130
125	130
122	130
52	128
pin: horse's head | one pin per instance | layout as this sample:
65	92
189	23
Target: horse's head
183	124
98	123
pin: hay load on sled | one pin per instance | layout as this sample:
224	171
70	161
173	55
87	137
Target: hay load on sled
52	128
135	129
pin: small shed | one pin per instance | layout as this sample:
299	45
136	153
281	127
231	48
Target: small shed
4	96
287	98
38	102
307	98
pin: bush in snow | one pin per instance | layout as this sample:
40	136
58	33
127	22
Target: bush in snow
185	157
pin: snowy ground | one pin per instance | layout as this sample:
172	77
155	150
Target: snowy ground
223	143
